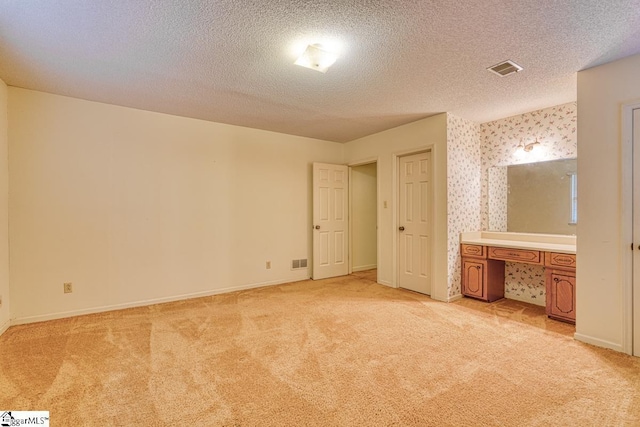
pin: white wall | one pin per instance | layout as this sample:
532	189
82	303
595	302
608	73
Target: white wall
364	187
600	275
133	206
430	132
4	211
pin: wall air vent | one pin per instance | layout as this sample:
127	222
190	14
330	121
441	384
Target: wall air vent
505	68
297	264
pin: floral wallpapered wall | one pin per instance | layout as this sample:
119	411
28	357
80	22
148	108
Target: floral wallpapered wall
497	200
463	193
555	129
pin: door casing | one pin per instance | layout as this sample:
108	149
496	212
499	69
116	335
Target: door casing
631	237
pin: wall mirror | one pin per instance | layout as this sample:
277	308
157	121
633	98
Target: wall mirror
533	198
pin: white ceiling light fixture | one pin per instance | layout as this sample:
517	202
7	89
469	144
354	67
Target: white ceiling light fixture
317	58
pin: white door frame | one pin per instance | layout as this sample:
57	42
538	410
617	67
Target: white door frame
395	194
627	225
363	162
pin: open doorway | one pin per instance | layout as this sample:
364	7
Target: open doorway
364	219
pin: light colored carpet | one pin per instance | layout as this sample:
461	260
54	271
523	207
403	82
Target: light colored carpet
336	352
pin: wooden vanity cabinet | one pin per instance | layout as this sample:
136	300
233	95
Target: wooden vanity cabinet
482	278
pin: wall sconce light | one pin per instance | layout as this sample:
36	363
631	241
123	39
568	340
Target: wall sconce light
527	147
316	58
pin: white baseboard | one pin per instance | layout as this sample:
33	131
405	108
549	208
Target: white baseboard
364	267
5	326
437	297
454	298
102	309
385	283
598	342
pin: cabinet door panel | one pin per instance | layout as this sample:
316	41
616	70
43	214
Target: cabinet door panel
473	278
561	297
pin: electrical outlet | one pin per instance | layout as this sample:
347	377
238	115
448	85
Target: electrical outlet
68	288
268	265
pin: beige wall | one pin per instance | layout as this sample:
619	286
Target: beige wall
385	147
134	206
4	212
601	245
364	186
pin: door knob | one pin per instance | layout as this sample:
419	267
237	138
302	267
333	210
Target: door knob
317	227
401	228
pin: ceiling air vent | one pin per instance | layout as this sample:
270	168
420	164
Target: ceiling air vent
505	68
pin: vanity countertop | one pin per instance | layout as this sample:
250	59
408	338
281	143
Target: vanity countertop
542	242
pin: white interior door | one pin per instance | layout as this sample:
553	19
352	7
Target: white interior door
414	222
330	222
636	232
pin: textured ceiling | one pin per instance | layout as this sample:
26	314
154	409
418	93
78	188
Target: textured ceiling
231	61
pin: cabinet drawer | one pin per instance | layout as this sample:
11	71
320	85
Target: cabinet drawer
516	255
473	251
555	259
